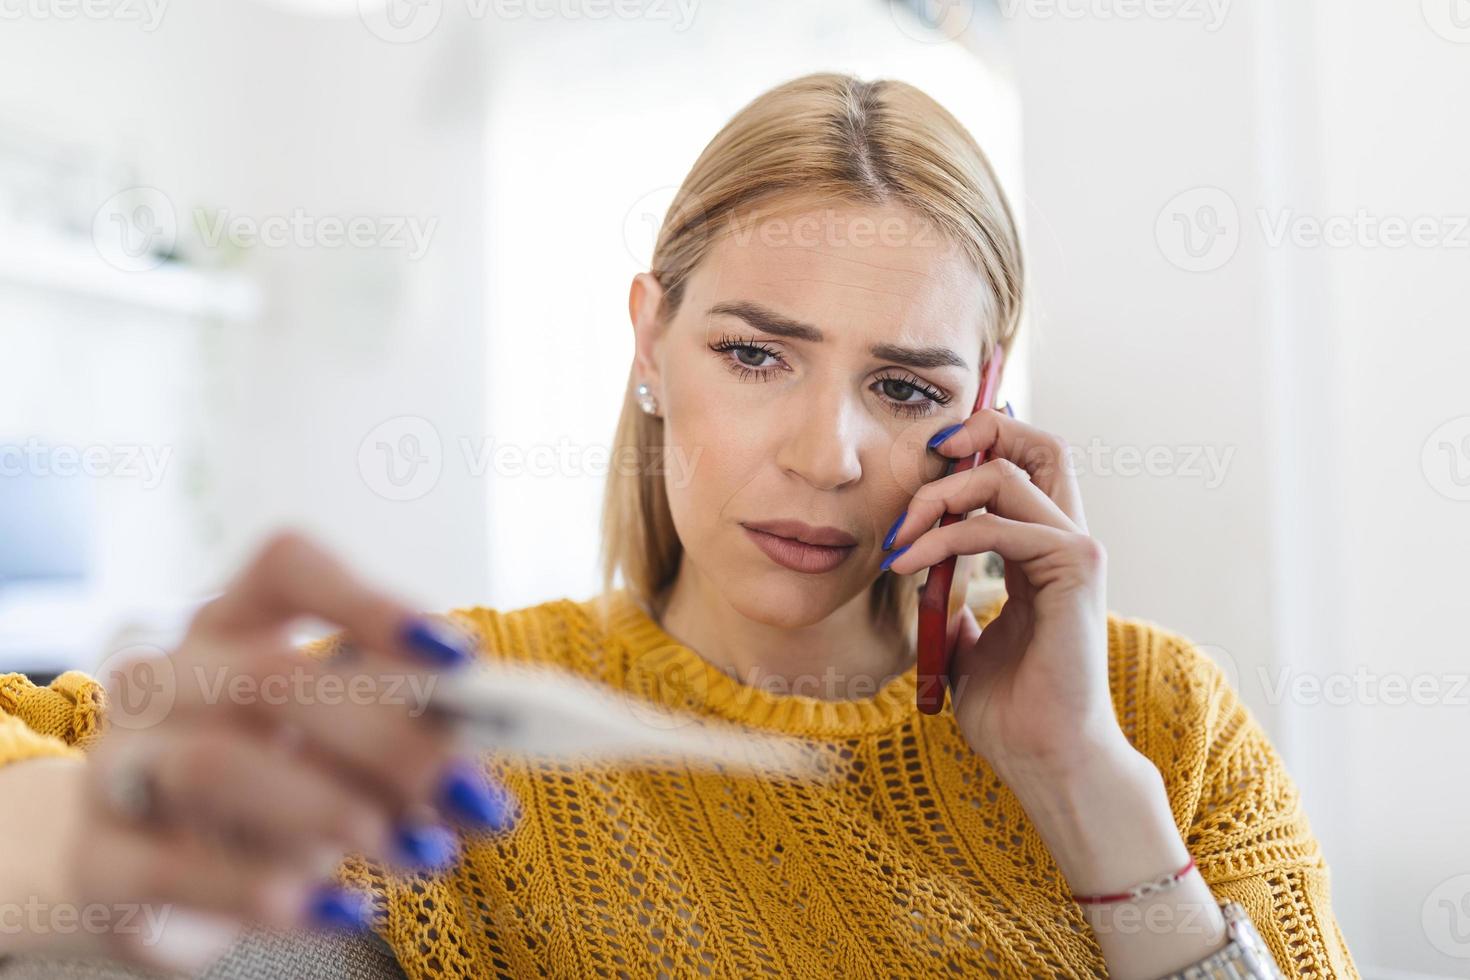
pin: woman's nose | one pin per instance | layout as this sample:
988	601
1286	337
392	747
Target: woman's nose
821	444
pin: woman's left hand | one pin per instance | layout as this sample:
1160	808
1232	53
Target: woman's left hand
1030	692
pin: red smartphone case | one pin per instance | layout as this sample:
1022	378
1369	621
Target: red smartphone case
933	646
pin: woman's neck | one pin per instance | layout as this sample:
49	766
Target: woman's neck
842	657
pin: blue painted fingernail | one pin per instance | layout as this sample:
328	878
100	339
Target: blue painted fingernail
893	557
425	846
1010	411
944	434
332	907
893	531
439	644
468	795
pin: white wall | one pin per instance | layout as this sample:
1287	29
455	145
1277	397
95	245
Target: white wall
1328	552
1396	124
241	107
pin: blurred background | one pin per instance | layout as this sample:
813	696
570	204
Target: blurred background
361	268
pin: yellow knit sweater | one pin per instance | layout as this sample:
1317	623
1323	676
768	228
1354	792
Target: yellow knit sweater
919	862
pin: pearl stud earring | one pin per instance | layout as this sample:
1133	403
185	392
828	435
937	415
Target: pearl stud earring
646	401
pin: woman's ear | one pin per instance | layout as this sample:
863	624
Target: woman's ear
645	299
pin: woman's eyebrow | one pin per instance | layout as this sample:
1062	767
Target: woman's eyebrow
768	321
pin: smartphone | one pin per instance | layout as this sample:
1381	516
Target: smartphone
933	640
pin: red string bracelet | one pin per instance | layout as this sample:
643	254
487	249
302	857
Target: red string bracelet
1138	891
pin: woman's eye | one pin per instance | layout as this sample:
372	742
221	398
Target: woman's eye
751	356
900	391
911	398
748	360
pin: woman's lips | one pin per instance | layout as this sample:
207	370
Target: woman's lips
800	547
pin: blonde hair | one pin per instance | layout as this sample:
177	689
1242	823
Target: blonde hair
835	137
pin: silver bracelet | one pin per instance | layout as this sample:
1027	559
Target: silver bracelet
1245	956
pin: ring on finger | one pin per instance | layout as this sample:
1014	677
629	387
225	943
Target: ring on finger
131	790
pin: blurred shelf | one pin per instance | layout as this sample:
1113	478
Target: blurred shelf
48	628
71	265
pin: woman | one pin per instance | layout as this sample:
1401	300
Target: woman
836	268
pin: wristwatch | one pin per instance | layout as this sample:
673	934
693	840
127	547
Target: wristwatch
1245	956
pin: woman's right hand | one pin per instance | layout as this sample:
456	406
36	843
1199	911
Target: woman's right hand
236	773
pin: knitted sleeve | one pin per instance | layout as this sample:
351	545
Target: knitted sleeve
1238	807
63	718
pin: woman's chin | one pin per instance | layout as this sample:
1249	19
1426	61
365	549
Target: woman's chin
779	602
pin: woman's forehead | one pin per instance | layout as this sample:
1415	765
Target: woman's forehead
850	271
